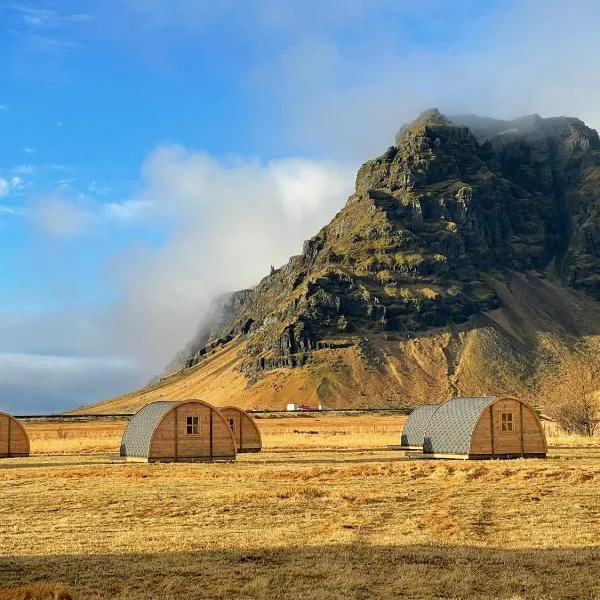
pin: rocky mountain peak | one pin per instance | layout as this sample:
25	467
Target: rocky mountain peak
434	226
431	118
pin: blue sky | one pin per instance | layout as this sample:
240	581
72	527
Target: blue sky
156	152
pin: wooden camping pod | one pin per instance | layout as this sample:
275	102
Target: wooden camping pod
178	431
244	428
14	440
488	427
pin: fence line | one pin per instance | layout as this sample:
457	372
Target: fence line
404	410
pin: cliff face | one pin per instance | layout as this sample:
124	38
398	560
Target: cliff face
446	233
430	221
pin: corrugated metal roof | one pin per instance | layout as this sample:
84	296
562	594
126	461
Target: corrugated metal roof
137	436
416	424
451	427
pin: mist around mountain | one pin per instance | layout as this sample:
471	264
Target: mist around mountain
466	261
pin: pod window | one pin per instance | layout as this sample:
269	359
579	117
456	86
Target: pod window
507	422
192	425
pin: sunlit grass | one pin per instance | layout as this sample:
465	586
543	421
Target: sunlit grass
327	510
330	431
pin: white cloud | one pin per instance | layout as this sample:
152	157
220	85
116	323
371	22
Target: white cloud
129	210
36	17
24	170
305	186
349	99
99	189
228	220
65	185
9	185
29	150
59	167
42	18
58	217
223	223
8	210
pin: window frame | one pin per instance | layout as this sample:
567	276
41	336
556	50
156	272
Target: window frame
507	422
192	425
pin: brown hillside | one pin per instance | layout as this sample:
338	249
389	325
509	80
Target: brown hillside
508	350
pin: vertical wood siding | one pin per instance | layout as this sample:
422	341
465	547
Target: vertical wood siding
245	431
527	436
13	437
171	441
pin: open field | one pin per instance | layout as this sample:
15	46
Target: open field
301	431
306	522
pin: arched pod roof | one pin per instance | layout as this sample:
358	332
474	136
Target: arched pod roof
451	427
138	434
416	425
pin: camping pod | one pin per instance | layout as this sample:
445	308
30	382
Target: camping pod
489	427
413	434
13	437
182	431
244	428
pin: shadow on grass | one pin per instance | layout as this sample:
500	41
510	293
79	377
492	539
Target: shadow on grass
66	460
328	572
257	459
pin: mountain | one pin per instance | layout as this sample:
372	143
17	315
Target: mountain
466	261
219	317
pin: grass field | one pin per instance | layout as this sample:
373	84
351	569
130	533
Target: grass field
327	515
301	431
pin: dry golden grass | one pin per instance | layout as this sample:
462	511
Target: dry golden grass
327	431
331	431
38	591
75	438
558	438
295	432
304	523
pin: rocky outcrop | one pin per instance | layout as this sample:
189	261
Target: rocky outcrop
454	204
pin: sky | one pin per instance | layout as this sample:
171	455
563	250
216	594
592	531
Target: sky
155	153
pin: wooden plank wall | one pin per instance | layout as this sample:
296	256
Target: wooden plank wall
171	440
527	436
13	439
4	439
245	430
